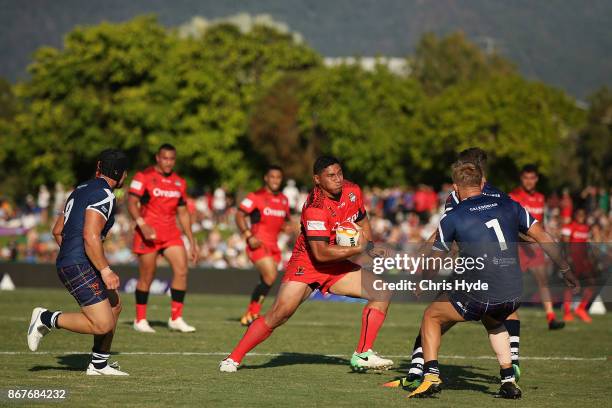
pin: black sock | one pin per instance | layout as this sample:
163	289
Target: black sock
416	364
177	295
431	367
141	297
260	292
506	374
99	359
514	330
49	318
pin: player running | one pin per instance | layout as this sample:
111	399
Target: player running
82	266
157	194
414	378
532	256
576	237
485	228
317	263
267	209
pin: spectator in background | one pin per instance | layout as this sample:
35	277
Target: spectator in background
425	202
219	203
293	195
604	200
567	206
43	203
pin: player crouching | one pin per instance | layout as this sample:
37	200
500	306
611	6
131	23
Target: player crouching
82	267
317	263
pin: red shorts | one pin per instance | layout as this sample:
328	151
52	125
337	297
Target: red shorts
582	266
531	256
165	238
265	250
321	278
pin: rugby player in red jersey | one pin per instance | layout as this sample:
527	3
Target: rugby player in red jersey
576	235
317	263
267	209
156	196
531	256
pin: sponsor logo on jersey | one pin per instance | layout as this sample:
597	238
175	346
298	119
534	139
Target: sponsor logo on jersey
352	197
483	207
247	202
300	271
158	192
274	213
315	225
135	184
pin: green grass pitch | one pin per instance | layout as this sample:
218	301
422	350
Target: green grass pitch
304	363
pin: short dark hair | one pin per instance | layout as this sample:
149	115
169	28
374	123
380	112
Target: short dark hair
530	168
273	167
166	146
474	155
323	162
466	174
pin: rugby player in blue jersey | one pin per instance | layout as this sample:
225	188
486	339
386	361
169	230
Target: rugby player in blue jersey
486	228
82	266
414	378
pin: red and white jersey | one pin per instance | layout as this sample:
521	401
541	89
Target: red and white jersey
576	232
321	216
159	196
532	202
268	212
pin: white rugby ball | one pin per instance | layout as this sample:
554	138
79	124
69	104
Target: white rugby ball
347	234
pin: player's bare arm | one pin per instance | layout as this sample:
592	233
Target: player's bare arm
245	231
92	238
323	252
58	228
134	210
551	248
185	221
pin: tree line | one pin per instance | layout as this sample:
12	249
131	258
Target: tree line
232	101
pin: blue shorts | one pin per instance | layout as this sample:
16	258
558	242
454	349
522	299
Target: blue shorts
84	283
474	310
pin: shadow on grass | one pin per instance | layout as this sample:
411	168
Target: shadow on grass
460	377
287	359
70	362
152	323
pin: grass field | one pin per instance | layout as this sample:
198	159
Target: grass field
304	363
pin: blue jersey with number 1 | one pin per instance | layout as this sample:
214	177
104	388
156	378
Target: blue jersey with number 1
487	227
93	195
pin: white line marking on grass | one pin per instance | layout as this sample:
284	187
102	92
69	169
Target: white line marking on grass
224	353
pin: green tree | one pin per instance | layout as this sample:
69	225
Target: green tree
363	118
439	63
595	141
136	85
514	120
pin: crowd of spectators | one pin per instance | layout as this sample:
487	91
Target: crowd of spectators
399	216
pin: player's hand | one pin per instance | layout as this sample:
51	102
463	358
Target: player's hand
148	232
110	278
253	242
570	280
194	252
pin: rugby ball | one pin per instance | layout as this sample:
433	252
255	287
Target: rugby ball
347	234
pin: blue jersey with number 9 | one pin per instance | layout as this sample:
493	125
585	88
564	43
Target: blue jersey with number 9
93	195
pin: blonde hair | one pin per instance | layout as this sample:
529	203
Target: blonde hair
466	174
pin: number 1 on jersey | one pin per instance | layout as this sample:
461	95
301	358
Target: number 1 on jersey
498	232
